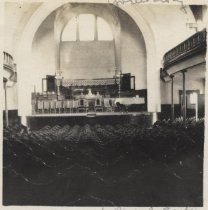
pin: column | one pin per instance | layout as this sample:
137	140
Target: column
77	28
117	53
95	29
117	49
154	117
58	81
24	120
5	95
172	95
184	96
116	68
116	60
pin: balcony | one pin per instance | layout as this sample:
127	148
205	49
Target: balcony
193	45
8	61
9	67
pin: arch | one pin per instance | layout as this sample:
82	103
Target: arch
70	30
25	48
66	12
104	32
190	15
103	26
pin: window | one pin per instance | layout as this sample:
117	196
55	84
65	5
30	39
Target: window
85	25
103	30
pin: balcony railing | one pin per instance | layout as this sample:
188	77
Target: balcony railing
10	67
192	45
8	61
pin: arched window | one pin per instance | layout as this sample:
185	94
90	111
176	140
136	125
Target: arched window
69	33
88	28
103	30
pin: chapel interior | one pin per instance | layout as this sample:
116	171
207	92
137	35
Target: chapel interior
105	73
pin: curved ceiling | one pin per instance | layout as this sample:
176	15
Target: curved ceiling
67	11
16	16
176	19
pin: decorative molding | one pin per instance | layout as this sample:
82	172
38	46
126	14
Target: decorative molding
90	82
191	46
8	62
10	67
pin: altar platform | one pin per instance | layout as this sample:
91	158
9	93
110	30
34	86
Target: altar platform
90	114
37	121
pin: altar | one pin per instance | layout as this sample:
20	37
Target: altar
88	95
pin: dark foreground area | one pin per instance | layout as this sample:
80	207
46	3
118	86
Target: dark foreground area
104	165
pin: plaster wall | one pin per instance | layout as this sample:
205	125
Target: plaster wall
12	100
191	84
94	59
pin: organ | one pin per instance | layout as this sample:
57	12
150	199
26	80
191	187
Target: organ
88	95
107	87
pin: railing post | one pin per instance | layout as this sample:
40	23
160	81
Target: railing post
172	95
6	109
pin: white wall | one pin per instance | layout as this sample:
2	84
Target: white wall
87	60
43	54
16	16
133	51
191	84
12	100
93	59
169	23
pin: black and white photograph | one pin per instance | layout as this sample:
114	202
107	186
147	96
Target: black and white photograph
103	103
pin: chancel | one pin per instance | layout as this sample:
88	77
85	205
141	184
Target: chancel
93	89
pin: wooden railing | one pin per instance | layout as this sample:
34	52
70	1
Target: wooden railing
49	106
90	82
192	45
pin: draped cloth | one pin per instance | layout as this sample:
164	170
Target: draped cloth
130	101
